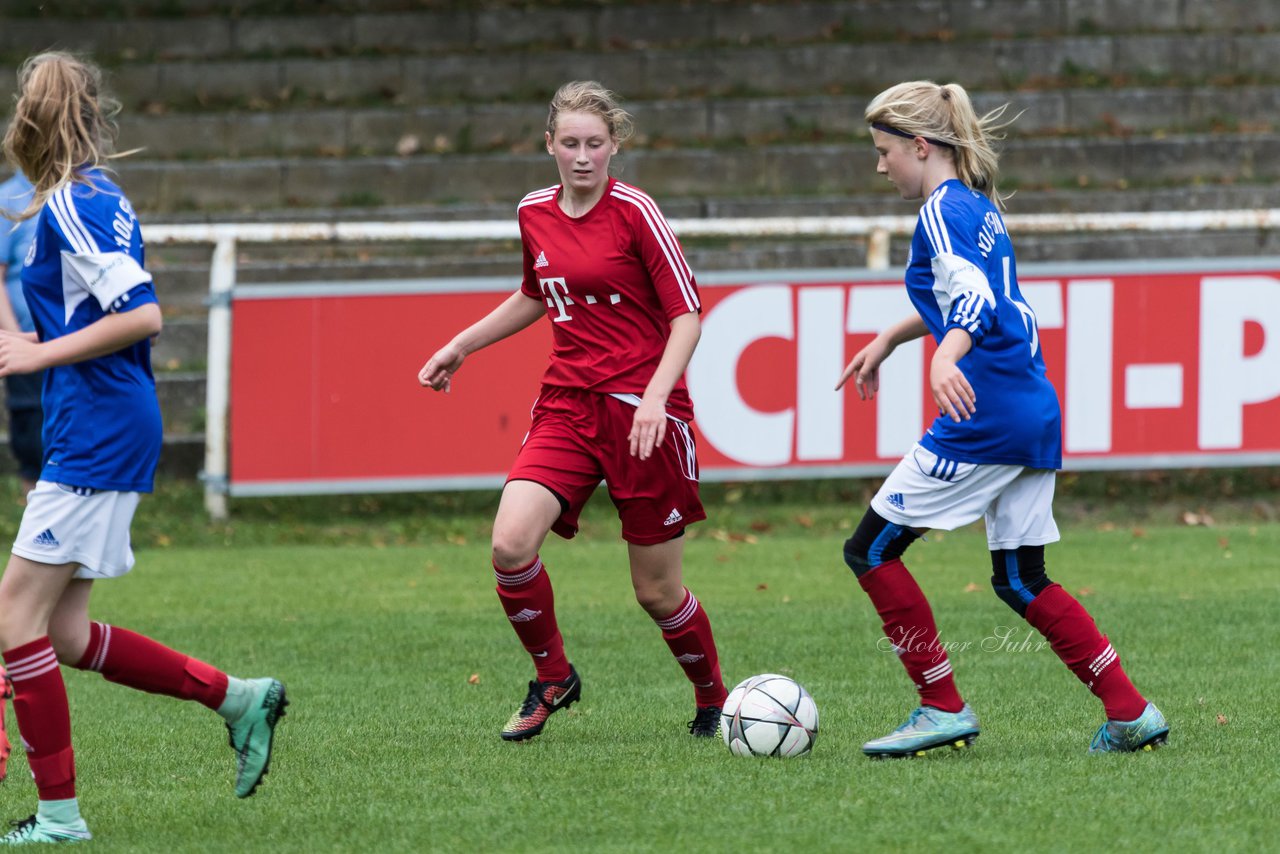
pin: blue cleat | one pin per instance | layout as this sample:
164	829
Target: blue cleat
1148	732
33	830
926	729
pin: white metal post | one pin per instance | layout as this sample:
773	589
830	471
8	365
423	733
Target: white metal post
222	279
878	249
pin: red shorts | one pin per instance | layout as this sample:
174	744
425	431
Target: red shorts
579	438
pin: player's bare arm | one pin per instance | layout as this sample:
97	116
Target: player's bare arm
516	312
8	320
950	387
21	354
649	427
864	367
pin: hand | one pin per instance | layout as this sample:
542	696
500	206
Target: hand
951	390
440	368
648	428
20	353
865	369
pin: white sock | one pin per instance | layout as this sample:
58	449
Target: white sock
63	813
239	693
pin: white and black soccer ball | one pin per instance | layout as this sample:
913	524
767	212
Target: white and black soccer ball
769	715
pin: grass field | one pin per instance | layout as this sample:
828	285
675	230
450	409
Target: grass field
401	670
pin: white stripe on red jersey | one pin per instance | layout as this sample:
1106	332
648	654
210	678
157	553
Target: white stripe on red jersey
665	237
537	196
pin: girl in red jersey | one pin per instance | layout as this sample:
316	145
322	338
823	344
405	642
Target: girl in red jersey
602	264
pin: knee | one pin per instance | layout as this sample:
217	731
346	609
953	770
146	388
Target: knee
659	600
856	557
18	625
511	550
876	541
70	638
1018	576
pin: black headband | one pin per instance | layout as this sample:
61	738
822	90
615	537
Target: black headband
881	126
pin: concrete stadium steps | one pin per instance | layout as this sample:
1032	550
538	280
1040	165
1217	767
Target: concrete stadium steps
472	128
261	183
183	345
663	72
210	30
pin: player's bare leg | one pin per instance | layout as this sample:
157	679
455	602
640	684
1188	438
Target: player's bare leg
658	579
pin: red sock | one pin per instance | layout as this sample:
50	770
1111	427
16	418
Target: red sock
128	658
908	623
688	633
530	604
40	705
1074	636
6	693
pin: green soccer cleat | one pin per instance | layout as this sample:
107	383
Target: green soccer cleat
32	830
1149	731
252	733
924	730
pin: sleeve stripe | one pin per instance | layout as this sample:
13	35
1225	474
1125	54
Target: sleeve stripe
935	225
968	309
666	240
64	210
662	224
537	196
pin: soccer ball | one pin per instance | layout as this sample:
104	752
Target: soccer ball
769	715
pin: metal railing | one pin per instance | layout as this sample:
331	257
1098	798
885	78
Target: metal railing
878	231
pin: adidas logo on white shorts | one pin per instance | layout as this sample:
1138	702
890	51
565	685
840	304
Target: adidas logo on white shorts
895	498
673	517
47	539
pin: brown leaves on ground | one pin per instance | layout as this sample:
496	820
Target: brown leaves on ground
1192	518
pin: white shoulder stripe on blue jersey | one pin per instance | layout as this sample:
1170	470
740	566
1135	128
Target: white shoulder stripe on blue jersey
935	225
666	240
69	222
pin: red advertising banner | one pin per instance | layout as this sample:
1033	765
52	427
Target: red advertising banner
1176	364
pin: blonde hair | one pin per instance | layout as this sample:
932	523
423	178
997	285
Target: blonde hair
943	114
62	124
588	96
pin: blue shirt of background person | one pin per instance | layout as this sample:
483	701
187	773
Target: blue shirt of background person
15	240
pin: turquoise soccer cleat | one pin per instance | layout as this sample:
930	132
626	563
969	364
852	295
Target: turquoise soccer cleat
251	734
32	830
924	730
1148	732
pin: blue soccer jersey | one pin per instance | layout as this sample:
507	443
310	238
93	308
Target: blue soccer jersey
101	416
962	274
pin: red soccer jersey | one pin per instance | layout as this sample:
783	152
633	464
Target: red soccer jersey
612	280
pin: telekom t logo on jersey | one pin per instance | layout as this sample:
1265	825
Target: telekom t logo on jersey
557	294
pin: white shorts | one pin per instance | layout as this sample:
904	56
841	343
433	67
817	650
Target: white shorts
927	491
73	524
